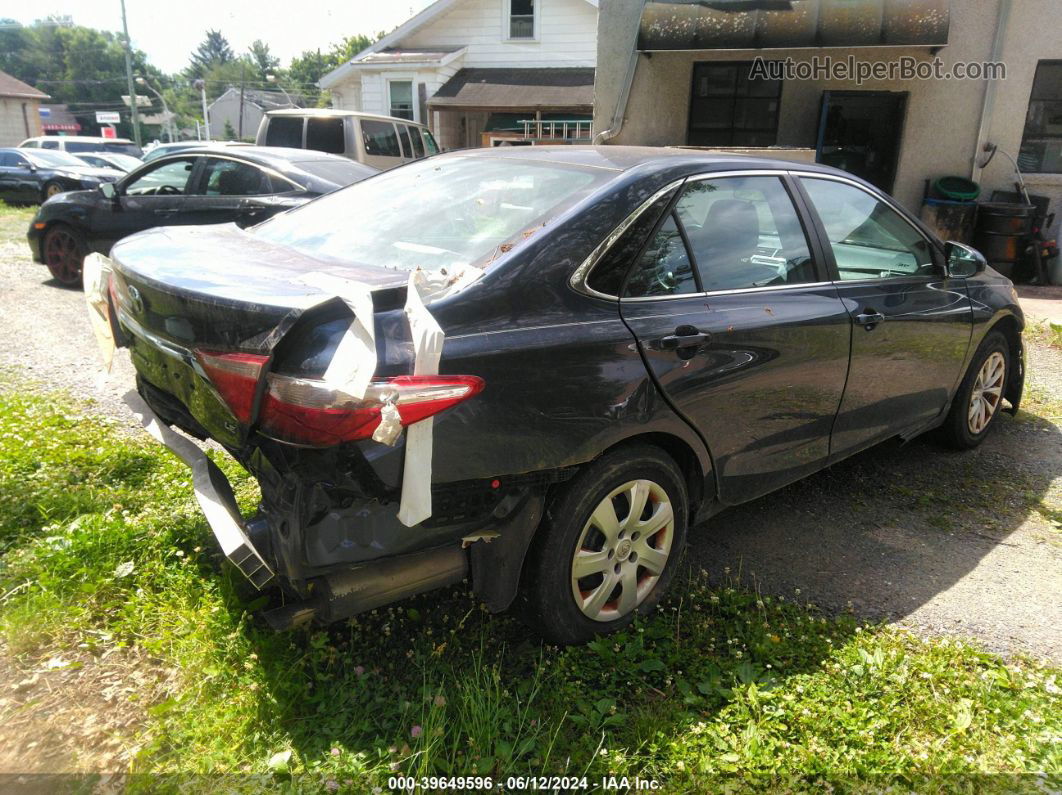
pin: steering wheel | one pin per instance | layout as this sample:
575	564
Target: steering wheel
167	190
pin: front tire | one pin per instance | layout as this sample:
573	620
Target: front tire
51	189
64	253
979	399
608	547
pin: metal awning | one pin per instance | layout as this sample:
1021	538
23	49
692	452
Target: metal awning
517	90
782	24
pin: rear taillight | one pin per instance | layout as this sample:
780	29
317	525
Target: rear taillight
309	412
312	413
235	377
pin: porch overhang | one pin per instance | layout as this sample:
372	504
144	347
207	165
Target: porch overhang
789	24
517	90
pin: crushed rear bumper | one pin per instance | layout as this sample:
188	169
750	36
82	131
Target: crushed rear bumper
212	491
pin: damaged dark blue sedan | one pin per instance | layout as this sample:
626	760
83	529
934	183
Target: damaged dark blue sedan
536	368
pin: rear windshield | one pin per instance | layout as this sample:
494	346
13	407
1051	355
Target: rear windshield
284	131
341	172
434	213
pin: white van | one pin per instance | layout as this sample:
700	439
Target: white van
76	144
380	141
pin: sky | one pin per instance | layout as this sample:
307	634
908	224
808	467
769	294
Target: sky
169	30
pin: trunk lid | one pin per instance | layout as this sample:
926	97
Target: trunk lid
180	291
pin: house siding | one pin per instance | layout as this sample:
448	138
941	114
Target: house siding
13	125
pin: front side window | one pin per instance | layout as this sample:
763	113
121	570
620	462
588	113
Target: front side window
435	214
1041	143
167	179
521	19
13	160
728	107
232	178
401	95
744	232
380	138
869	239
284	131
49	144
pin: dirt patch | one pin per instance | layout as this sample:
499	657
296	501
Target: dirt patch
75	713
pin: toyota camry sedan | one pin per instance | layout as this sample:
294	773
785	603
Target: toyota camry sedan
537	368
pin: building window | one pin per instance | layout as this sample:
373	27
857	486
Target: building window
1041	144
728	108
401	98
521	19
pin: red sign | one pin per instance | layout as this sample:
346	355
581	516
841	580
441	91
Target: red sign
108	132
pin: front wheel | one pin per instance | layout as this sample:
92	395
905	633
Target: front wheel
52	189
979	398
608	547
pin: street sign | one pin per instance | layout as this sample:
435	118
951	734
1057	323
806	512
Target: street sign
108	132
107	117
141	100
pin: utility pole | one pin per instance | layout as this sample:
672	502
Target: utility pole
129	77
243	80
201	85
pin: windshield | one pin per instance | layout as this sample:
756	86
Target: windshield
437	213
126	162
50	158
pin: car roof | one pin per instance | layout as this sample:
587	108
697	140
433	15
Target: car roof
625	158
337	113
95	139
264	155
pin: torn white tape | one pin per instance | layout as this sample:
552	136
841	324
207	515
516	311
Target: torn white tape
354	361
96	275
428	340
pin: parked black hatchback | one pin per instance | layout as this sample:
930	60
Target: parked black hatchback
245	185
589	350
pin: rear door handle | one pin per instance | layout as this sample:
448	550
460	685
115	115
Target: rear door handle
685	337
869	318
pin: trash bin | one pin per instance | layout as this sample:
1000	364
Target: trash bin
950	219
1002	233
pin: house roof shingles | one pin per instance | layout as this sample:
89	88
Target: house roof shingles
13	87
539	88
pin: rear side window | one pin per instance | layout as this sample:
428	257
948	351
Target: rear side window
665	267
607	275
284	131
49	144
744	232
380	138
418	142
325	135
407	145
232	178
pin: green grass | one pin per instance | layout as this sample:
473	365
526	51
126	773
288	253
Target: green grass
101	544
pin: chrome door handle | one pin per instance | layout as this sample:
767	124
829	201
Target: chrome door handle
869	319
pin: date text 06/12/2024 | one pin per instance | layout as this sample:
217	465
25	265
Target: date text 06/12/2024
522	783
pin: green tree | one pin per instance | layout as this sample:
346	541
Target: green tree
263	60
213	51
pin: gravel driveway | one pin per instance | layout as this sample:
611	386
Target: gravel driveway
937	541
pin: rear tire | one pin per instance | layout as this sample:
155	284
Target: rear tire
626	561
979	399
64	252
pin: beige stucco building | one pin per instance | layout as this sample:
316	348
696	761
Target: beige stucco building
20	115
663	80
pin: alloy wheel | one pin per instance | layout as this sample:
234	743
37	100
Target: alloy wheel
622	550
62	253
52	190
987	392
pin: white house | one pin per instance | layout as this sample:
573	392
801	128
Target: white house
482	72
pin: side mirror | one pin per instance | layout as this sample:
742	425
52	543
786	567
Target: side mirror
963	261
108	190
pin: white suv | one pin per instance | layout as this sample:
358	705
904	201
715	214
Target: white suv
76	144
